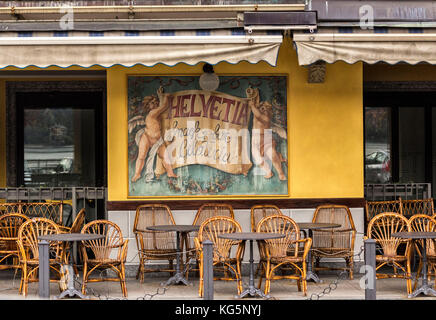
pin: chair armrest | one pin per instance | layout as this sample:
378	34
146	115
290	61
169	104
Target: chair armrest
307	244
123	251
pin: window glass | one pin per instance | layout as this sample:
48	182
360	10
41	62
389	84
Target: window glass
378	139
59	147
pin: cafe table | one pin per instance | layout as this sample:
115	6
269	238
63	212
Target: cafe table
424	288
310	226
251	236
69	238
181	232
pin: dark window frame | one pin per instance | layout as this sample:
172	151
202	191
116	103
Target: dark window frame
14	159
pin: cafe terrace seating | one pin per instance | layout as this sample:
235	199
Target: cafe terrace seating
109	252
258	212
28	234
335	242
276	252
224	258
154	245
380	228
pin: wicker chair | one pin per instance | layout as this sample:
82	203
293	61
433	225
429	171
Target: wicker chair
109	252
259	212
77	225
206	211
335	242
411	207
381	228
424	223
9	226
224	258
277	252
373	208
28	246
154	245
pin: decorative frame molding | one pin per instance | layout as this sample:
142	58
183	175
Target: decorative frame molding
396	86
14	87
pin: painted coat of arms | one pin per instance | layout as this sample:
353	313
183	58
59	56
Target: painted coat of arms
186	141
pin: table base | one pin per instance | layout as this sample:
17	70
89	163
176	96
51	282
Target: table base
71	291
424	289
313	276
252	291
177	278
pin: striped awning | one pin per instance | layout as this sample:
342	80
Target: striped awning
390	45
129	48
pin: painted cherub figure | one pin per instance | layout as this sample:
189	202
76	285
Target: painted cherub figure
151	136
262	120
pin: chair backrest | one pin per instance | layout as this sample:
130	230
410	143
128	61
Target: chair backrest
8	207
381	228
212	227
373	208
78	222
424	223
280	223
10	224
103	248
29	232
330	238
152	215
209	210
411	207
48	210
258	212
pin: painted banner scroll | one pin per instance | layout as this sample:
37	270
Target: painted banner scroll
186	141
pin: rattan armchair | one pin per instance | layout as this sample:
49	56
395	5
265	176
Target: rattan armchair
424	223
373	208
334	242
224	258
109	252
28	245
380	228
154	245
9	252
206	211
277	252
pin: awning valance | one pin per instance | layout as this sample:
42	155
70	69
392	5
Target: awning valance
106	49
390	45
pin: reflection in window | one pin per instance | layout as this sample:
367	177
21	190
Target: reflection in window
59	146
378	167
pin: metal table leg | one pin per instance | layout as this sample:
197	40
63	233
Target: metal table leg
425	288
178	277
252	290
71	290
310	275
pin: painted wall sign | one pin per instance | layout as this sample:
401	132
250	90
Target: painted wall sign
186	141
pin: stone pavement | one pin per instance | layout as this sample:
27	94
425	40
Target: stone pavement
152	289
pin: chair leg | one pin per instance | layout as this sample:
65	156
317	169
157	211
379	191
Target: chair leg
267	278
85	277
200	286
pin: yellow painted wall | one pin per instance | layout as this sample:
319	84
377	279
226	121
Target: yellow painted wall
325	123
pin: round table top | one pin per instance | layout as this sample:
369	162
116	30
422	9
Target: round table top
251	235
415	235
71	237
174	227
317	225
